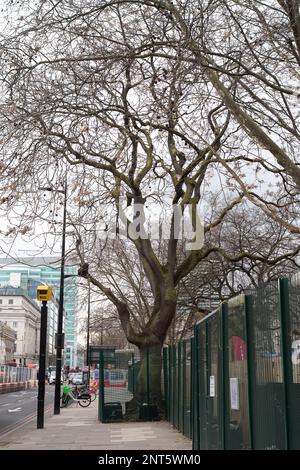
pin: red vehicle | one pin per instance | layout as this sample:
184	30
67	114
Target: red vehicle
115	378
11	363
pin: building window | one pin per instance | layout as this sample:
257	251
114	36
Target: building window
15	324
10	301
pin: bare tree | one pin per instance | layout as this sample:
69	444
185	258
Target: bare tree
216	279
134	101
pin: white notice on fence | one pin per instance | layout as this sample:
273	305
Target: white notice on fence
234	394
212	386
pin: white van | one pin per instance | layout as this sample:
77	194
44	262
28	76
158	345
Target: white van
52	377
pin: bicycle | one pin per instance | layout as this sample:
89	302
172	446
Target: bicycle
84	389
69	394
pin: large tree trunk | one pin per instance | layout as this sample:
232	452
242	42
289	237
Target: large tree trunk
148	390
149	378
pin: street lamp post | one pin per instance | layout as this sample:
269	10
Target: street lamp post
60	336
44	294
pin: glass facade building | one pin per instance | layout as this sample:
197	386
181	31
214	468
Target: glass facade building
28	273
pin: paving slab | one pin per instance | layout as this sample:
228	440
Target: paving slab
62	432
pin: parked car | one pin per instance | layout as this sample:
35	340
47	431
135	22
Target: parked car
77	379
52	377
70	377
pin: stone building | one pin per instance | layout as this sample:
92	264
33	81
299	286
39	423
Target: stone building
8	337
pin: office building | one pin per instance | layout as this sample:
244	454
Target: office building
30	272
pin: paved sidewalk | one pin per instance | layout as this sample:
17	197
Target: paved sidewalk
78	428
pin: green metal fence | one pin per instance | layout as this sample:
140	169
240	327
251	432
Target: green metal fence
236	383
128	384
115	386
178	363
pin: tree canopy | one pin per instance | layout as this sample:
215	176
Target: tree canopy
160	103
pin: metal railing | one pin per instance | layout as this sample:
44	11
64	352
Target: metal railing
10	374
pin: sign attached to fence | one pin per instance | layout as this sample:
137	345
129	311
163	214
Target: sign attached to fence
296	352
234	394
212	386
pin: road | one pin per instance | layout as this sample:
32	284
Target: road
17	408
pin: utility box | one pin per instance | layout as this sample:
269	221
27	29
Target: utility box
148	412
113	411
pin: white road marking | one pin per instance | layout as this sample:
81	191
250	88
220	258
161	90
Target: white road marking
22	422
15	410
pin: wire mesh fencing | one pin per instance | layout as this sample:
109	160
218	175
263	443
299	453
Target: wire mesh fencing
236	383
130	384
178	385
115	387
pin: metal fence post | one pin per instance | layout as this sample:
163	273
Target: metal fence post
183	385
209	404
133	374
176	386
148	385
174	383
192	391
170	406
220	383
101	387
166	385
250	342
196	438
194	394
225	363
190	421
179	369
287	367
